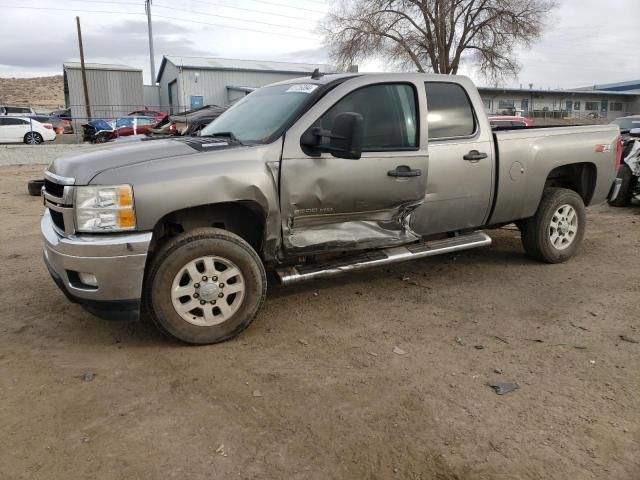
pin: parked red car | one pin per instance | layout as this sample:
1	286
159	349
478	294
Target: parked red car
157	115
510	121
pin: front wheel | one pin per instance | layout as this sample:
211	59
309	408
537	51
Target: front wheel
33	138
205	286
554	233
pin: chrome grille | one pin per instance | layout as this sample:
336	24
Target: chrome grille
58	198
54	188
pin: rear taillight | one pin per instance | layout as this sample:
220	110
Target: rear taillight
48	126
619	153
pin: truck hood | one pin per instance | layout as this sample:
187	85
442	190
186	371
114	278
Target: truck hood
86	164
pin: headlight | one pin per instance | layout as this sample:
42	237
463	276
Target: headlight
104	209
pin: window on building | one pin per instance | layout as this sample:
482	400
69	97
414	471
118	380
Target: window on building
592	105
507	104
487	104
576	105
450	111
615	106
389	113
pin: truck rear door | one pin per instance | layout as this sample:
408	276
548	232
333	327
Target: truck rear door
461	160
331	203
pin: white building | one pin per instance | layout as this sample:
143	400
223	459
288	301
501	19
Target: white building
603	104
191	82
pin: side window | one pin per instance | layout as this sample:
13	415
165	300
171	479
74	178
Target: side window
15	121
389	113
449	111
3	122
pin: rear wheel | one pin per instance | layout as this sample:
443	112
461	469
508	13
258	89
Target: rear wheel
33	138
624	192
554	233
205	286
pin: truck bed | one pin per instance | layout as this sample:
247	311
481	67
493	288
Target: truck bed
525	156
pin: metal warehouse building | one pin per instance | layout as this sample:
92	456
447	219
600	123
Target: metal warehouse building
191	82
114	90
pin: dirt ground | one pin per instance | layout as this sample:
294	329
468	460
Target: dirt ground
314	390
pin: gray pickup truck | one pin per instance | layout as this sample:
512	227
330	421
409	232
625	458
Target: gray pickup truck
309	178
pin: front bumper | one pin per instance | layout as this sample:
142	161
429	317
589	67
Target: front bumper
116	260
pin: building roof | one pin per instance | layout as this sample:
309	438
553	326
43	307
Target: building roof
527	91
632	86
99	66
205	63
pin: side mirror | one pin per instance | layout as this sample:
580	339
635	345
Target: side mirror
345	137
634	132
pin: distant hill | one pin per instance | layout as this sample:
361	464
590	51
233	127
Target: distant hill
42	93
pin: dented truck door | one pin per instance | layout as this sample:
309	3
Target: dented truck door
336	204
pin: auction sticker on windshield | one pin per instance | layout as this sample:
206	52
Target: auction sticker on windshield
302	88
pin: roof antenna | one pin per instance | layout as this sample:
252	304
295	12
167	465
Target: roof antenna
316	74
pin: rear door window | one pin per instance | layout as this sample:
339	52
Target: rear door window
449	111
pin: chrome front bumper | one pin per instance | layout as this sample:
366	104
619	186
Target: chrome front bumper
116	260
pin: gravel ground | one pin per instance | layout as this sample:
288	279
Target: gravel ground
314	390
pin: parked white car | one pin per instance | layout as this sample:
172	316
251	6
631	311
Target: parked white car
20	129
16	111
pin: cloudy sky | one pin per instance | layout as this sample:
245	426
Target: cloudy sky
586	41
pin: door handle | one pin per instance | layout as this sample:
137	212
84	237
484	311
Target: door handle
475	155
404	171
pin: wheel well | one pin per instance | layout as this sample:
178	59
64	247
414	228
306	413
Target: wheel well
246	219
579	177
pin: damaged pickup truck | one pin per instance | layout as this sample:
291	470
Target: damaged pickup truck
309	178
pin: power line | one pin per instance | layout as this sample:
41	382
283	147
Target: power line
217	15
287	6
253	10
234	28
75	10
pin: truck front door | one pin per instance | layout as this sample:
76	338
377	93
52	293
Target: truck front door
335	204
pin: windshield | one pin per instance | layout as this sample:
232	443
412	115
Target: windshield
627	123
263	113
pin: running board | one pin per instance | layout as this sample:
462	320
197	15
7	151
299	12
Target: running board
376	258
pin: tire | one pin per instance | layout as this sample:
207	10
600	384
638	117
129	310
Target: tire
33	138
170	285
627	184
34	187
555	232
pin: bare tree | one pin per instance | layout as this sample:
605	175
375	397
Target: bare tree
436	35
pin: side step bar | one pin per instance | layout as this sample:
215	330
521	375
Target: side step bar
376	258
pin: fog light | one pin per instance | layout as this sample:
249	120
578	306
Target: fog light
88	279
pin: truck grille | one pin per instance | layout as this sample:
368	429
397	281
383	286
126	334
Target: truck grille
54	189
58	198
58	219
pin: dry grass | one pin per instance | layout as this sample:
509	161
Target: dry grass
42	93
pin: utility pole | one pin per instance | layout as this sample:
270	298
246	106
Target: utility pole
84	73
147	8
